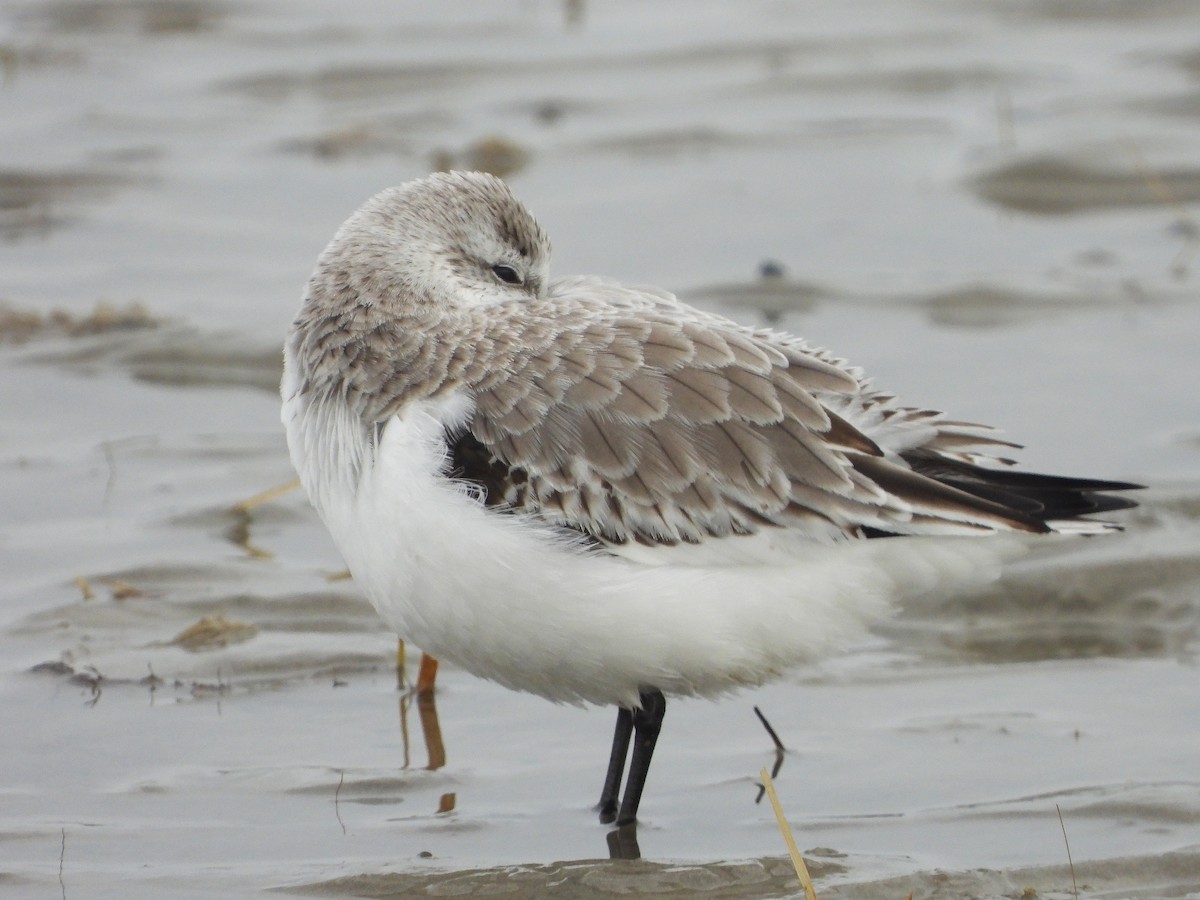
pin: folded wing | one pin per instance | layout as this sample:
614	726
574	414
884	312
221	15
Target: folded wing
626	415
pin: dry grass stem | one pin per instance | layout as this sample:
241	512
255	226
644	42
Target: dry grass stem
1162	191
1070	862
401	665
337	811
62	855
404	731
123	590
244	506
797	860
426	676
214	632
771	731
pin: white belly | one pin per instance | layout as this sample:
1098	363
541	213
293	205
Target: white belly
522	604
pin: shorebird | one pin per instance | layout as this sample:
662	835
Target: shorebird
599	494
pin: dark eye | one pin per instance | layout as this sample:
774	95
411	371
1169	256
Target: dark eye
507	274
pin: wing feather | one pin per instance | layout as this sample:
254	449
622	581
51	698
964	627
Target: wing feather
698	395
626	415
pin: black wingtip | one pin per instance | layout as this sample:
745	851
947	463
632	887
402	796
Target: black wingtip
1032	495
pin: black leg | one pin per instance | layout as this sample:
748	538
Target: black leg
647	723
616	765
623	843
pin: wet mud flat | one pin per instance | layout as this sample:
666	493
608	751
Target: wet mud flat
991	206
207	705
1137	877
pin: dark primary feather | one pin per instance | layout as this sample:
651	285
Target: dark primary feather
1047	497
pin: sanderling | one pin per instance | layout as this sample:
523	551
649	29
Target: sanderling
599	494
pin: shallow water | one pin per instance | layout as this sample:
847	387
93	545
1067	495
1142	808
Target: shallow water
992	206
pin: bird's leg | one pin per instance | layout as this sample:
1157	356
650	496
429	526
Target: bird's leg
616	765
623	842
647	723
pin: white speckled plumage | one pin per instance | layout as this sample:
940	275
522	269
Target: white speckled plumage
665	499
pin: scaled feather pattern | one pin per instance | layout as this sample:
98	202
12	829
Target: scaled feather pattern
584	489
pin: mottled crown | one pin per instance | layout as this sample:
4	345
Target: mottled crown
460	204
435	242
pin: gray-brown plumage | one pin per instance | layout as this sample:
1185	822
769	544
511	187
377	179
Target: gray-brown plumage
597	493
626	415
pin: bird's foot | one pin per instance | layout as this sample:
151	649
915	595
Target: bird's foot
623	842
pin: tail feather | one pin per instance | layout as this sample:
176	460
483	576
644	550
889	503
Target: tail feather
1058	501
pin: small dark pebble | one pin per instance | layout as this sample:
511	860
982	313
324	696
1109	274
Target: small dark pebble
53	668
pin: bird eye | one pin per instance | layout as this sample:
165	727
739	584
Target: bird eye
507	274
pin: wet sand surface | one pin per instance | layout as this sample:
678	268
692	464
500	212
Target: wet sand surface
993	206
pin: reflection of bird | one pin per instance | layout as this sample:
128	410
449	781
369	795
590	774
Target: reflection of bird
599	494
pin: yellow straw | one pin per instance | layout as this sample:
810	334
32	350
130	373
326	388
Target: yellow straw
797	860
